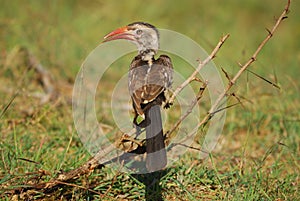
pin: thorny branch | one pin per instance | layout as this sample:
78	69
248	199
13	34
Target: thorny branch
96	162
189	110
200	66
244	67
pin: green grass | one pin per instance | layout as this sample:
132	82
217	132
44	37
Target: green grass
257	157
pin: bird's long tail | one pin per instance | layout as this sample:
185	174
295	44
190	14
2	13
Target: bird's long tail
155	145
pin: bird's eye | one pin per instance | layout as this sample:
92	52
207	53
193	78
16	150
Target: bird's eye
139	31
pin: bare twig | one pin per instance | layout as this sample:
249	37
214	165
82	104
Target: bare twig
21	56
45	79
200	66
87	168
189	110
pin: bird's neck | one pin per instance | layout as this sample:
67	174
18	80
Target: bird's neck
148	55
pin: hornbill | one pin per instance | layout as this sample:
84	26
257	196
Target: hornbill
149	81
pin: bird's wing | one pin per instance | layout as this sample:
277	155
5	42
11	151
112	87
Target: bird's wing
166	73
136	75
159	78
147	82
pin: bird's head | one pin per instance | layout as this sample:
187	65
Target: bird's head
144	35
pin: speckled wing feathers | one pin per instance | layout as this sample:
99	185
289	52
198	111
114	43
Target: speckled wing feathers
147	83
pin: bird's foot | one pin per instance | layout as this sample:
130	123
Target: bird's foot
168	105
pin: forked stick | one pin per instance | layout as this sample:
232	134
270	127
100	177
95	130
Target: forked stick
200	66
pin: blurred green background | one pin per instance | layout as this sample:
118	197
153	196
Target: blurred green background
61	33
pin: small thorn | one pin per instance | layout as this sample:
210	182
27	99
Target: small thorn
226	74
197	79
266	80
201	88
199	60
238	99
270	33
